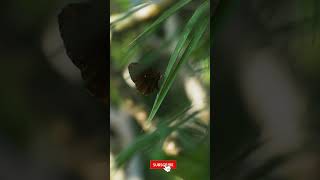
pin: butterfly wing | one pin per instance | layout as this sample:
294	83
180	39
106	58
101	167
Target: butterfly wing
135	72
146	80
152	79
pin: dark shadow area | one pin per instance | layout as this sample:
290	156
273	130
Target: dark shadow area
265	56
50	126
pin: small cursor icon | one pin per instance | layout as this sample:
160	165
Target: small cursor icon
167	168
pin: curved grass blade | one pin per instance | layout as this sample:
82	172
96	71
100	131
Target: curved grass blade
175	62
132	47
141	142
151	139
185	34
128	13
158	22
149	57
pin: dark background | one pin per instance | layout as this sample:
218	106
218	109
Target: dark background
50	127
266	90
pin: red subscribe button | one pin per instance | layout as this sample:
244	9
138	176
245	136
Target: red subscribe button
160	164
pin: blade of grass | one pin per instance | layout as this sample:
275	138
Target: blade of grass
185	34
176	116
153	55
172	70
168	83
131	48
128	13
188	118
149	57
157	22
141	142
148	140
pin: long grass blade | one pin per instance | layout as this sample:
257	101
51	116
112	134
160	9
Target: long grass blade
158	22
185	34
175	62
151	139
128	13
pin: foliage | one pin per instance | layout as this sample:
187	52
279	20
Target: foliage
191	45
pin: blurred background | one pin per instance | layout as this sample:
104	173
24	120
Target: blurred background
149	32
266	90
50	127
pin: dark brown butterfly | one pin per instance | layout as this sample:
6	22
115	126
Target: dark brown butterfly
83	28
145	79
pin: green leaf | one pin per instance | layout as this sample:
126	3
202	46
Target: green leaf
185	34
199	22
151	139
158	22
128	13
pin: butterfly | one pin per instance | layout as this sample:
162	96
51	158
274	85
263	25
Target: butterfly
83	28
145	79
